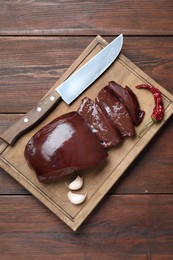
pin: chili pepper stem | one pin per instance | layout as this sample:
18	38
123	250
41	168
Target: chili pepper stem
144	127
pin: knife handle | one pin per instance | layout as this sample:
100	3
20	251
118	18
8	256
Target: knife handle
32	118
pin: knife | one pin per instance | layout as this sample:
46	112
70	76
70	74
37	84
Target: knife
69	90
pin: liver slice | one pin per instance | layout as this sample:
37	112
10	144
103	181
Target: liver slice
63	146
98	123
130	101
115	111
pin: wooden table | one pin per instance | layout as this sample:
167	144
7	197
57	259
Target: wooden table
39	40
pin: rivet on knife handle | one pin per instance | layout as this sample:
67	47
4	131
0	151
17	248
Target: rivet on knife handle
32	118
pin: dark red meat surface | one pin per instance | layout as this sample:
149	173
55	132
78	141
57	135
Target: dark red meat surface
63	146
115	111
130	101
98	123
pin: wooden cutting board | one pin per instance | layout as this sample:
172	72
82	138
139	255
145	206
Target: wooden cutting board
97	181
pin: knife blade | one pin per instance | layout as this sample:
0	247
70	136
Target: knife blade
69	90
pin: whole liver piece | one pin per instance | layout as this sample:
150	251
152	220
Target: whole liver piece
63	146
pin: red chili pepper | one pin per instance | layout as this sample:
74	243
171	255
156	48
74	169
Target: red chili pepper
158	110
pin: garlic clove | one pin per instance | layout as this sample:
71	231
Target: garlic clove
76	198
76	184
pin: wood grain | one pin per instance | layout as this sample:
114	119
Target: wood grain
122	227
32	118
26	71
158	178
13	161
64	29
77	17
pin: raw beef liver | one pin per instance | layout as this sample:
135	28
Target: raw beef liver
130	101
63	146
98	123
115	111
